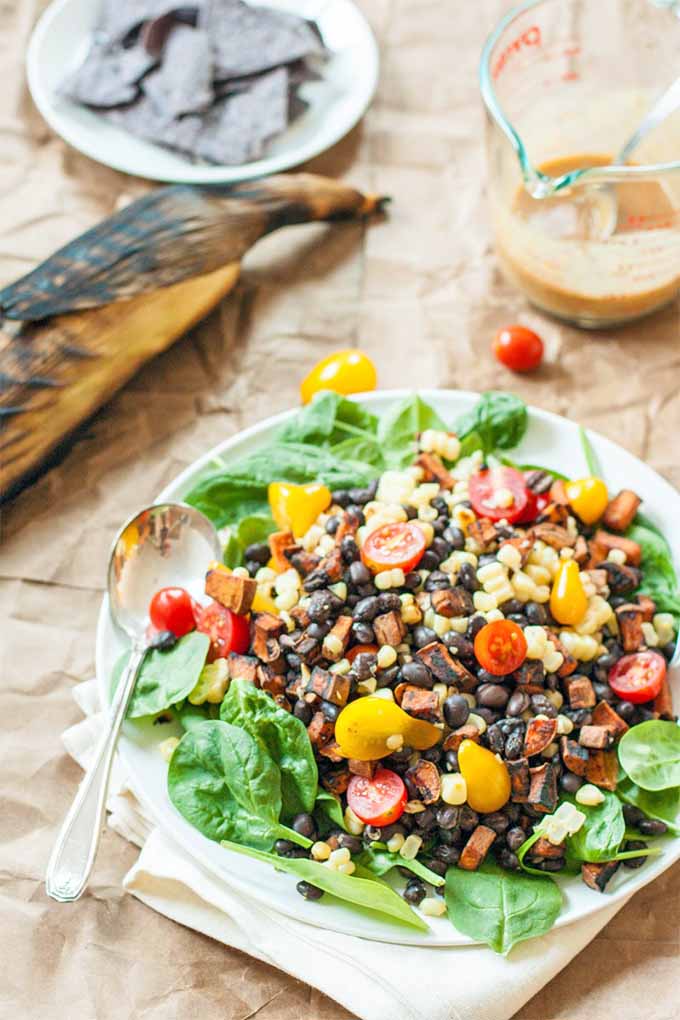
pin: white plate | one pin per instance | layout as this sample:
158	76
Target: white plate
550	440
61	40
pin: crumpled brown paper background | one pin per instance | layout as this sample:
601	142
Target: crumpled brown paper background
422	294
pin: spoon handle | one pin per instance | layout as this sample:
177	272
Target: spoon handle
74	852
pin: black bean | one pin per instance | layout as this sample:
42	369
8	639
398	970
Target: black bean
163	640
496	820
259	552
632	815
415	892
439	526
626	709
474	626
341	497
459	645
488	715
603	692
425	819
363	633
317	631
412	580
429	560
417	674
309	891
491	695
293	660
469	819
441	547
359	573
439	867
542	705
388	601
448	854
387	677
617	600
514	837
550	864
579	716
411	787
496	739
367	609
360	496
252	566
410	511
536	614
668	650
517	618
512	606
570	782
401	757
332	525
508	860
315	581
330	711
467	576
552	682
634	862
284	846
349	550
452	837
437	581
447	817
351	843
646	714
364	664
514	744
423	636
303	712
652	827
440	505
365	590
305	825
456	711
455	537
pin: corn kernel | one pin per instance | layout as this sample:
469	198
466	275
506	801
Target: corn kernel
510	557
556	697
441	690
589	795
414	807
341	667
339	856
453	789
664	625
650	635
320	851
386	657
617	556
347	869
564	725
477	721
470	698
441	625
433	906
265	575
385	693
550	751
396	842
411	847
367	686
353	824
332	647
287	599
483	602
427	514
339	589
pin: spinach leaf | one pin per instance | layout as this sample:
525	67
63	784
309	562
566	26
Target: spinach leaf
166	677
602	833
379	862
329	418
190	716
241	490
661	804
592	461
255	528
649	754
357	448
366	893
399	426
659	579
497	422
501	908
329	805
227	787
283	737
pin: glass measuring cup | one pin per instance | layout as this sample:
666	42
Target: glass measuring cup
565	84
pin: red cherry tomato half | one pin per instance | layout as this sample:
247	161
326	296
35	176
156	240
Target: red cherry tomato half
500	647
378	801
499	494
172	609
518	348
359	650
638	677
393	545
228	632
536	504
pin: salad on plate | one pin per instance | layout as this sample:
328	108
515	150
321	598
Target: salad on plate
422	661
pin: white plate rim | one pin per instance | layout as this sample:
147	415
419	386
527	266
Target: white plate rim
442	933
64	123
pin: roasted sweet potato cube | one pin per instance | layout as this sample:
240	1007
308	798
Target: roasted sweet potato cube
342	630
631	617
605	540
543	788
362	768
558	492
597	875
476	848
331	751
420	703
595	737
304	562
236	593
348	525
621	510
602	769
269	681
301	616
265	626
278	543
543	850
243	666
648	607
555	513
520	780
574	756
553	534
320	729
456	737
663	702
328	686
604	715
600	580
451	602
307	648
530	673
335	780
580	692
389	628
483	531
621	578
444	667
434	469
569	664
581	553
425	777
539	733
333	565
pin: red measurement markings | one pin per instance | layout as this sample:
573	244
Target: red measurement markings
531	37
658	221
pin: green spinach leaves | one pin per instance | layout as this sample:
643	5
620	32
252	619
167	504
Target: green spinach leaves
602	833
649	754
497	422
166	677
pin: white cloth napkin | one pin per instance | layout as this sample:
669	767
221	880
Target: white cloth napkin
374	980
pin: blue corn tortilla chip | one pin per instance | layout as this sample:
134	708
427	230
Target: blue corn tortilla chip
248	39
118	19
183	82
108	76
238	128
146	121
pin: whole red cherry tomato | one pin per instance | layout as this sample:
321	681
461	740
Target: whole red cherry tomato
172	609
638	677
228	632
377	801
518	348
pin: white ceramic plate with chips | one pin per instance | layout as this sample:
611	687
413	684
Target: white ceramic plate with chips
550	440
336	102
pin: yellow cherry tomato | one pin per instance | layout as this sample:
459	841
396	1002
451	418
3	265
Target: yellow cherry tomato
263	604
296	507
363	727
343	372
588	498
568	600
487	778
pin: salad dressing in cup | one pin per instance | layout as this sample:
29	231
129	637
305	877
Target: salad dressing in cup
566	82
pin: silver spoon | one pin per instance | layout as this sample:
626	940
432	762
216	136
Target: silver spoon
164	545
